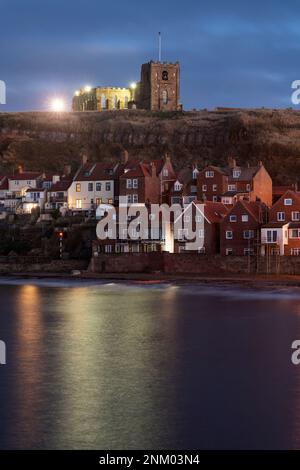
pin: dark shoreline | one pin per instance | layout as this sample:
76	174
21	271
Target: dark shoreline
257	281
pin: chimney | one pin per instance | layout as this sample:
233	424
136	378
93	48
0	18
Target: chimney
84	158
67	170
124	157
231	162
20	169
153	169
167	156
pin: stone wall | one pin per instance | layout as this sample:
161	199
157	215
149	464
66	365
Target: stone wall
189	263
55	266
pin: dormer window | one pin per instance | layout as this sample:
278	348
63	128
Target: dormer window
288	202
177	186
236	173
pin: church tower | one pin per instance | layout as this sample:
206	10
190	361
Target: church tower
159	88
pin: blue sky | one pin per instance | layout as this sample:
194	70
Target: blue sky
232	53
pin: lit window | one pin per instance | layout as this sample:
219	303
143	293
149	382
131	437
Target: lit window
78	188
78	204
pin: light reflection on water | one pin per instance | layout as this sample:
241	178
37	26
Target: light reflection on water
163	366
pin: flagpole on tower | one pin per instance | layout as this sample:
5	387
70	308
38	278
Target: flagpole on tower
159	47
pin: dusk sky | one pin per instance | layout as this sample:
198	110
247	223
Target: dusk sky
232	53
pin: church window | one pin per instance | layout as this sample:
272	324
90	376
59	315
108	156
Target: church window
165	96
103	101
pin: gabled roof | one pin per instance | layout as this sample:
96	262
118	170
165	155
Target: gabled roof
287	195
246	172
215	211
60	186
27	175
96	172
252	208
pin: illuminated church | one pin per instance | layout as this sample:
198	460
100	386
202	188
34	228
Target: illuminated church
158	90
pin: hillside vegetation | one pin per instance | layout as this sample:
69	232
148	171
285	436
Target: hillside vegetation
47	141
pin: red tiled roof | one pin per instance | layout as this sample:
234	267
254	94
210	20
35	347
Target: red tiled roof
215	211
28	175
60	186
96	172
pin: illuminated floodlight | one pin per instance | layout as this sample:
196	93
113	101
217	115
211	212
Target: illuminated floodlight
133	85
77	93
87	88
58	105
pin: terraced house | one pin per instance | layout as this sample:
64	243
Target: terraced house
232	183
93	184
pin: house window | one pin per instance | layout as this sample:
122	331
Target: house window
231	187
90	187
247	234
245	218
215	187
295	215
103	101
193	188
199	218
128	184
165	172
129	199
281	216
229	251
236	173
215	198
78	188
165	97
209	174
78	203
229	234
177	186
135	183
248	187
204	187
98	186
288	202
295	233
110	201
295	251
232	218
271	236
135	198
107	186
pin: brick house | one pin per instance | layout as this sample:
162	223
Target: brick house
232	183
240	228
282	235
211	213
140	183
184	188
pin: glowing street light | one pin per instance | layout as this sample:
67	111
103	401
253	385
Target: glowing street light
58	105
133	85
77	93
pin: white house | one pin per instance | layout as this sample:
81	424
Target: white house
33	199
275	236
21	181
93	184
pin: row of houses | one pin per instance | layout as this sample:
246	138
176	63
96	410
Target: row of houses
243	213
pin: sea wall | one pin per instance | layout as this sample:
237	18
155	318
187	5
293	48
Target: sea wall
191	263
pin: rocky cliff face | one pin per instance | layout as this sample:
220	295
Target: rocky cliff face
47	141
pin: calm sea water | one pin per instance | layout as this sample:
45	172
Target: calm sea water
124	366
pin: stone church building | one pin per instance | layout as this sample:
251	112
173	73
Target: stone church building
158	90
